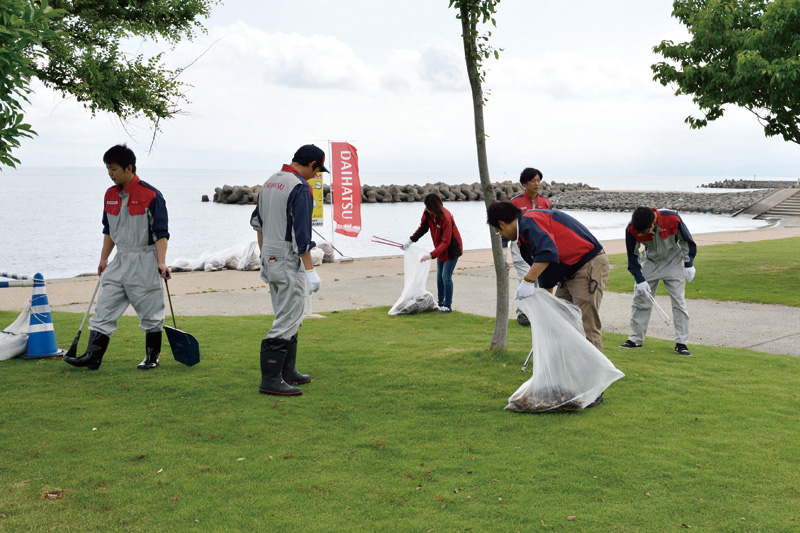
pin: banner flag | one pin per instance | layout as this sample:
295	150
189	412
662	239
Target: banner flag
346	189
315	184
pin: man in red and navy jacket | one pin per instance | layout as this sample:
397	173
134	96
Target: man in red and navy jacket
531	180
668	252
135	222
560	251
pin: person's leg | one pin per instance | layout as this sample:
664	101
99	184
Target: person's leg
287	291
641	309
586	289
680	313
440	283
447	269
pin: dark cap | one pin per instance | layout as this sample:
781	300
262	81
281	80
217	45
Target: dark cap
308	153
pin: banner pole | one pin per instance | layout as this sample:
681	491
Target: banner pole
333	202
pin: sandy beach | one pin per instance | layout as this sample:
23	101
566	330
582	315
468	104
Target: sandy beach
379	281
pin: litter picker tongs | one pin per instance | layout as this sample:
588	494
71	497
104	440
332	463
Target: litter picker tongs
387	242
661	312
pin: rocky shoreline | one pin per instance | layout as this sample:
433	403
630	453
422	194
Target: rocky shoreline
573	196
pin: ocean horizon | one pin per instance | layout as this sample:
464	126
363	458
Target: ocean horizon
52	216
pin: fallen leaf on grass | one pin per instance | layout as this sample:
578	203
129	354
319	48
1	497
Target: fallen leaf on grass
240	459
570	518
138	457
160	470
53	495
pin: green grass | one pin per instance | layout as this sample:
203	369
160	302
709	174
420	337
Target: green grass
766	272
402	429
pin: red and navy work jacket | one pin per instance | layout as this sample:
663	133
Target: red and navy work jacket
669	233
444	233
550	236
525	202
146	207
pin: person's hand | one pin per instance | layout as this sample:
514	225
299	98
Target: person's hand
525	290
407	244
690	272
164	271
102	266
426	257
641	288
312	281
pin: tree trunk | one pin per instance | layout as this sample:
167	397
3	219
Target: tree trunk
500	265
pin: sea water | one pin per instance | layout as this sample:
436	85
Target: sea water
51	218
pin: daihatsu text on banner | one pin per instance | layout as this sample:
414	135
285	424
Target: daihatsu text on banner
346	189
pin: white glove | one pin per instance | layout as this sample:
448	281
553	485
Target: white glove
407	244
690	272
641	288
312	281
525	290
426	257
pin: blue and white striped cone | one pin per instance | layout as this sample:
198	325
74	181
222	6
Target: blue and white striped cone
41	334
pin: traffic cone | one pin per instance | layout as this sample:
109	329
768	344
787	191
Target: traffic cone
41	335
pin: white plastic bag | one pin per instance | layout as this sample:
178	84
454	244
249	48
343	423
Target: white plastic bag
569	373
415	298
14	339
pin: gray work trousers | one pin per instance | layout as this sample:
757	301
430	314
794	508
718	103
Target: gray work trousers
642	308
131	278
282	269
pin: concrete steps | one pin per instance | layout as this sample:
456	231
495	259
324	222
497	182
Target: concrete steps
789	207
780	203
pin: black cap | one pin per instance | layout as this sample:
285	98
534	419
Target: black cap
309	153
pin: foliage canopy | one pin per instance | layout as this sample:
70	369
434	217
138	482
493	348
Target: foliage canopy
742	52
77	48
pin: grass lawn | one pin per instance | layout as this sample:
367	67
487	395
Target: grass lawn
765	272
402	429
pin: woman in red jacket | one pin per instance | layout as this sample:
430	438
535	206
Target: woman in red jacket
448	247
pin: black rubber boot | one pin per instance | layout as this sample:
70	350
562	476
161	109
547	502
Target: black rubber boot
152	350
273	355
290	373
93	356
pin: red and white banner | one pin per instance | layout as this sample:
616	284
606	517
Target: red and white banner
346	189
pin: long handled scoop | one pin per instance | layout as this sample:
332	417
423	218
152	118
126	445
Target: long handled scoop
73	350
185	348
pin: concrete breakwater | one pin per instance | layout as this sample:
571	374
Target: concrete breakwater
752	184
714	203
573	196
385	194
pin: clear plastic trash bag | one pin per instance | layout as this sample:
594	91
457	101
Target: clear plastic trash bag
415	298
569	373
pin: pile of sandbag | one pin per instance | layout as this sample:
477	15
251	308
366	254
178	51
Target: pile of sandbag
238	258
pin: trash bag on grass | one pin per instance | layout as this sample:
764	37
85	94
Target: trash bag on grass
14	338
569	373
415	298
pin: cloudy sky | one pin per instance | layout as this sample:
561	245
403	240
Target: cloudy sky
572	94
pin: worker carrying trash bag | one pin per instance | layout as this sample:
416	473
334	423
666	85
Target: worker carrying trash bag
569	372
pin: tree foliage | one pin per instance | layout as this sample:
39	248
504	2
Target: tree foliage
476	51
24	26
77	48
742	52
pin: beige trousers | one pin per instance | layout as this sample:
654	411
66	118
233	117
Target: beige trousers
585	289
